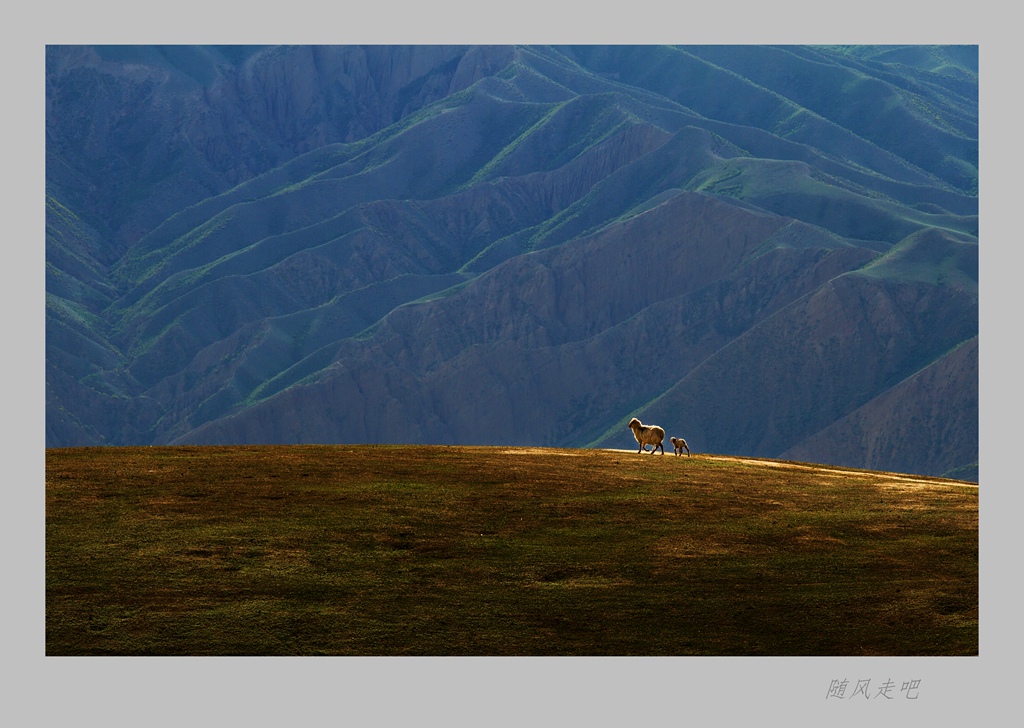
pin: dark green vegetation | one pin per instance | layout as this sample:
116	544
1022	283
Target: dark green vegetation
772	251
391	550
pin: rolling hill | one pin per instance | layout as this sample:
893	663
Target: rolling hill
441	550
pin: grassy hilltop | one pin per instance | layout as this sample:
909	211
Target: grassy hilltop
389	550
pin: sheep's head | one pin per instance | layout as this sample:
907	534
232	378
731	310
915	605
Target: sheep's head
634	423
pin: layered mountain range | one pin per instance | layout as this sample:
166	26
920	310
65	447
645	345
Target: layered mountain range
769	251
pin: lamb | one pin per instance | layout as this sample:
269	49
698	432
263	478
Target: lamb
647	435
680	443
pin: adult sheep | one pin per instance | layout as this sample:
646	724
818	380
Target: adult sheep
647	435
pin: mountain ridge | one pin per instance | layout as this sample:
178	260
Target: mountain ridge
458	244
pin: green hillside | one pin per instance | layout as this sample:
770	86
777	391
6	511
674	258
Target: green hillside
512	245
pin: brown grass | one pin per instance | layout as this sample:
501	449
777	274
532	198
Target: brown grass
373	550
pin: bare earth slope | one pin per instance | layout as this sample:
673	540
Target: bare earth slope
515	245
